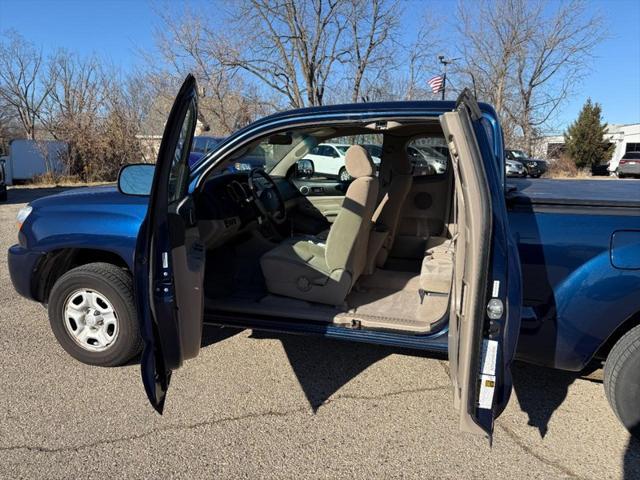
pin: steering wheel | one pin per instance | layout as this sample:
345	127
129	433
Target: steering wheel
267	197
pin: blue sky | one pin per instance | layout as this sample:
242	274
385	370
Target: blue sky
117	29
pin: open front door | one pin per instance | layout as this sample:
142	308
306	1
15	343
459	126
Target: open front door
170	257
486	296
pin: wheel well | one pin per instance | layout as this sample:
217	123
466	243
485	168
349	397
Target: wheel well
618	333
58	262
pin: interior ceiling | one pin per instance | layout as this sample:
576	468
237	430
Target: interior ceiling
402	130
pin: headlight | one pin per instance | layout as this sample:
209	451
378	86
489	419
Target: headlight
532	164
23	213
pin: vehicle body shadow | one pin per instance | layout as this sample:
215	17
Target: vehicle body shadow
211	334
540	391
323	366
631	461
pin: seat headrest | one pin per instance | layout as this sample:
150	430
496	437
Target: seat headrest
358	162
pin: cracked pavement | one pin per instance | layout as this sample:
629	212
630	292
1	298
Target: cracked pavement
256	405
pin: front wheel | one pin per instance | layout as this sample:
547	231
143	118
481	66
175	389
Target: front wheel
622	380
93	315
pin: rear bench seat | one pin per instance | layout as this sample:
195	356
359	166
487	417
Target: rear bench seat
436	277
436	274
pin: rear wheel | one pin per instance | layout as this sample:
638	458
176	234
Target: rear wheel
93	315
622	380
344	175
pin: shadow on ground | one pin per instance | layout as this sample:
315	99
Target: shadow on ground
29	194
324	366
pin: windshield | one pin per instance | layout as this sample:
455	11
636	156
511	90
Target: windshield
342	148
518	154
632	155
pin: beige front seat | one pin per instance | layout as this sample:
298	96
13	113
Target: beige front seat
310	270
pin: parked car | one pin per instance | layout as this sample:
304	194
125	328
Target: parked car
600	170
428	159
549	266
328	159
629	165
3	181
514	168
533	166
201	146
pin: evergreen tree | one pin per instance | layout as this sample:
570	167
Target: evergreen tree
584	139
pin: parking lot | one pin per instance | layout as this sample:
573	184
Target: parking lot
255	405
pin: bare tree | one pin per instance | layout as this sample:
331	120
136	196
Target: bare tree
21	65
373	24
227	101
527	57
290	46
551	64
493	33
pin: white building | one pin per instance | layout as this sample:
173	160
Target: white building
626	138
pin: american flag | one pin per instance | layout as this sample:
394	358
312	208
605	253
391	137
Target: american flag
436	83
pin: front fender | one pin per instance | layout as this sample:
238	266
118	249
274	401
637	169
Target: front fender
55	228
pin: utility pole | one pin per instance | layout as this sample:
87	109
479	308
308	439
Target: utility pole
444	61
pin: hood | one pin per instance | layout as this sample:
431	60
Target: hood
104	195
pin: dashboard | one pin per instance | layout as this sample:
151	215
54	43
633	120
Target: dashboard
225	206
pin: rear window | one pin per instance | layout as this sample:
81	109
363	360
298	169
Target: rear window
428	155
632	155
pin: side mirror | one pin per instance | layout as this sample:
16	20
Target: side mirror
304	169
136	179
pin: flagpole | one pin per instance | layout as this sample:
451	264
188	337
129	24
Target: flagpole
444	61
444	81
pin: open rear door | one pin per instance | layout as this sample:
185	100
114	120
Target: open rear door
485	302
170	257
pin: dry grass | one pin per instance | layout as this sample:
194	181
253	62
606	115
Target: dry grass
49	180
565	167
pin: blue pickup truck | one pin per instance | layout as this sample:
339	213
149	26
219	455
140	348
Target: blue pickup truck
456	262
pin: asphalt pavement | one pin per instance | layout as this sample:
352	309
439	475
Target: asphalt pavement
256	405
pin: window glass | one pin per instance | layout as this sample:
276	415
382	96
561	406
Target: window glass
328	164
632	147
179	173
265	154
428	155
199	145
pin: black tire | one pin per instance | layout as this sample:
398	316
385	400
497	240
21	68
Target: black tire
622	380
117	286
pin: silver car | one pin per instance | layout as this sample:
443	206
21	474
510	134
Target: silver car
629	165
514	168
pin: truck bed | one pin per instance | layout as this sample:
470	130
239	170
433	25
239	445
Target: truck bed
597	193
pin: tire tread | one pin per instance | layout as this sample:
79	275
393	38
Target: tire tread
627	346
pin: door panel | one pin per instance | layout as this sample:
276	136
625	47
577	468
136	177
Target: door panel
170	257
322	197
482	299
328	207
